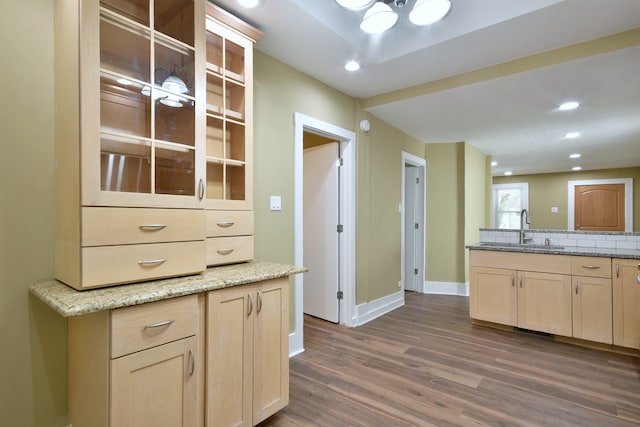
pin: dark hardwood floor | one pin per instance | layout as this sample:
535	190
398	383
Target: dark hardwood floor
425	364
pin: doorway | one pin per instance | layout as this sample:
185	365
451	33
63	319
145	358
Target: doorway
601	192
321	221
347	241
413	223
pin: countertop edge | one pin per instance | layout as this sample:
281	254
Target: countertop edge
568	250
69	302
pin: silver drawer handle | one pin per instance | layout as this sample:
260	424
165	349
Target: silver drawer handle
638	279
159	325
225	223
152	262
192	357
152	227
225	251
591	267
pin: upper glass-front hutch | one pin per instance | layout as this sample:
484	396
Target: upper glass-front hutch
150	105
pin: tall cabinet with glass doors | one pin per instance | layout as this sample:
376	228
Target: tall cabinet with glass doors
130	140
229	137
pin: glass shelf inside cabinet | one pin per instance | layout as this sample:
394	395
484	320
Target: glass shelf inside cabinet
135	10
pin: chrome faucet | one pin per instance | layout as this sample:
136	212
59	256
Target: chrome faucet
524	216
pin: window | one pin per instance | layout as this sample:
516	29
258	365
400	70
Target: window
507	202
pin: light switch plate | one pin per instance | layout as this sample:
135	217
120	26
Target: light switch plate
554	209
275	203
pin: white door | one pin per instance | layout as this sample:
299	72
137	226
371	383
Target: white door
411	227
321	244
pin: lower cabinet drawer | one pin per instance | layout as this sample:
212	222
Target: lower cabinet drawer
111	265
227	250
148	325
122	226
229	223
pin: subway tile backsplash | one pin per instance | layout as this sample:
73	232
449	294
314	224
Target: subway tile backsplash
589	239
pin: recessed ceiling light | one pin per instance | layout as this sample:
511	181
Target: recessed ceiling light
571	105
494	163
575	156
352	66
571	135
576	168
355	4
249	3
508	173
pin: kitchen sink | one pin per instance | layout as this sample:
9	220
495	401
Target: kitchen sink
520	245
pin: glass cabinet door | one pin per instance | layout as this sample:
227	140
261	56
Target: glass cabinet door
148	97
227	122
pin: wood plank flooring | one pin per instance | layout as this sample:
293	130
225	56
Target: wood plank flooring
425	364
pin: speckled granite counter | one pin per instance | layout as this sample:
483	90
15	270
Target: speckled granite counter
557	250
68	302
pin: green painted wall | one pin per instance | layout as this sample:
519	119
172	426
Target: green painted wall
445	212
476	170
550	190
33	386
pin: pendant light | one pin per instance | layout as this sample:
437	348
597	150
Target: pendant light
426	12
378	19
355	4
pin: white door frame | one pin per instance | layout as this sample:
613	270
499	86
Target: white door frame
421	164
628	199
347	138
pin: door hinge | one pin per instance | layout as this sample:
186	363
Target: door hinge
415	271
417	226
340	228
339	162
340	295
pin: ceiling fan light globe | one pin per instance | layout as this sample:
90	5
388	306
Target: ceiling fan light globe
426	12
355	4
174	84
378	19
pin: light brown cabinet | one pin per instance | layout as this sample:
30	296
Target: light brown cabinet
530	291
247	348
130	140
626	300
229	137
137	366
592	299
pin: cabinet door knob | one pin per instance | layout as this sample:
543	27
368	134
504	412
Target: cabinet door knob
576	288
617	270
201	189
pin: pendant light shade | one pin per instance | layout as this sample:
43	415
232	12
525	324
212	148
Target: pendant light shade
355	4
379	18
426	12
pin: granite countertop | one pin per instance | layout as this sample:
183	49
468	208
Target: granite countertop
557	250
69	302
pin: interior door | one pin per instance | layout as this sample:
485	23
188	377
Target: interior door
411	219
599	207
321	244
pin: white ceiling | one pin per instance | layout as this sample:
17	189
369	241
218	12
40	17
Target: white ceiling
511	118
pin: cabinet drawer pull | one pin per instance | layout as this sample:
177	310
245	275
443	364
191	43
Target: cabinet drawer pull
591	267
152	262
250	305
225	251
638	279
513	281
259	302
576	288
152	227
617	270
158	325
192	358
520	281
225	224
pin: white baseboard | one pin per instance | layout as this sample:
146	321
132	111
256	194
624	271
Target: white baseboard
368	311
446	288
296	346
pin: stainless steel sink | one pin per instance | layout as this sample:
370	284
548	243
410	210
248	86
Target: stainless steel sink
520	245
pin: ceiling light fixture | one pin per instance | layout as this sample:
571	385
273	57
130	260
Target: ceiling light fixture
380	17
571	135
426	12
576	168
575	156
508	173
352	66
566	106
249	4
494	163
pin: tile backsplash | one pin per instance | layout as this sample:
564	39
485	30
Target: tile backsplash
590	239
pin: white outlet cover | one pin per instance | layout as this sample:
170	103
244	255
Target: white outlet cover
275	203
